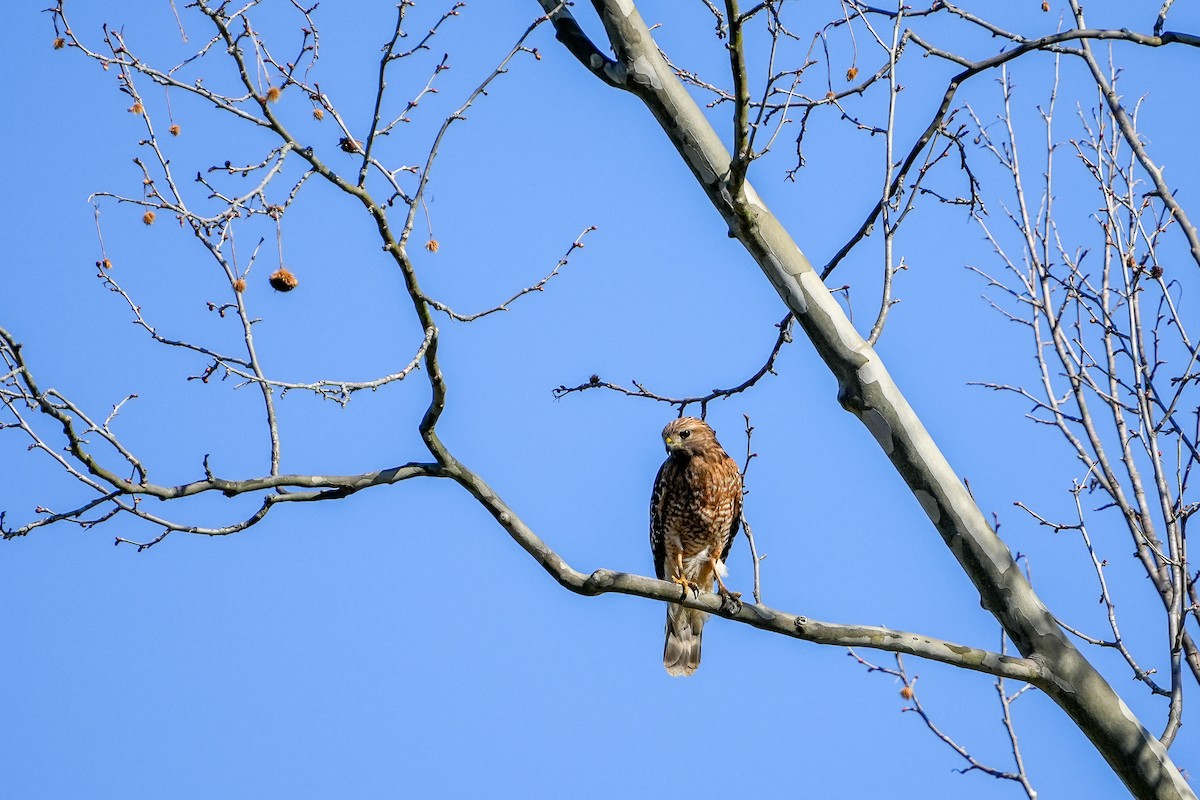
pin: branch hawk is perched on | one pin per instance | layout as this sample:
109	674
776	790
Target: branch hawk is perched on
695	511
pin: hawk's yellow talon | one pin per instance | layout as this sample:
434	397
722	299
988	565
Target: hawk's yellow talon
734	599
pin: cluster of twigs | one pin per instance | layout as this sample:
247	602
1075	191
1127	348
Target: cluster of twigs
908	691
1114	360
1110	340
682	403
219	207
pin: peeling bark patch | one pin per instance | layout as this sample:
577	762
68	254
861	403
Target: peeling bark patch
796	300
930	504
849	337
753	199
994	550
871	371
774	264
615	72
805	273
968	655
643	69
787	287
1148	739
1150	742
804	267
703	169
879	428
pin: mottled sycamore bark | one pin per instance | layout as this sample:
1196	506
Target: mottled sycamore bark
868	391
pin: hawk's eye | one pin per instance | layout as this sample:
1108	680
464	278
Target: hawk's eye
684	434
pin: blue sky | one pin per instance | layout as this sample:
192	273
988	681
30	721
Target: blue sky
398	643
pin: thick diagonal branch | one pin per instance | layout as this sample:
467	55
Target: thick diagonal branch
868	391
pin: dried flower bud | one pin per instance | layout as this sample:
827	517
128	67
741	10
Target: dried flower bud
282	280
852	73
239	285
60	43
318	114
136	108
273	94
148	218
906	693
174	129
432	245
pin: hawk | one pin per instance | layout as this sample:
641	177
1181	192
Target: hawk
695	511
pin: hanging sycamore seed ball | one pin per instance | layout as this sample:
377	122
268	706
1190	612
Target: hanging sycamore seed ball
282	280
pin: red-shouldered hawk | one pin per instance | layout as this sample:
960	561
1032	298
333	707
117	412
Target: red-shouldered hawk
695	511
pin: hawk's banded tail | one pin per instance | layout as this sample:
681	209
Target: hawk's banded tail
681	652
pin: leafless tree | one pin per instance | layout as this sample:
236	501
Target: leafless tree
1117	365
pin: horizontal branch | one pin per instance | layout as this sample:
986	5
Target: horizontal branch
810	630
604	581
51	404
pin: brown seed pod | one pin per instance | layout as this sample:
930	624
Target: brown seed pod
318	114
175	129
136	108
1045	5
282	280
148	218
906	693
239	285
852	73
106	264
273	94
60	43
1156	272
432	245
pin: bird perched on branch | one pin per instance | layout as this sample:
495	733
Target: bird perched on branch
695	511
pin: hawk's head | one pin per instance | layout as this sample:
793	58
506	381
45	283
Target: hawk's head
688	436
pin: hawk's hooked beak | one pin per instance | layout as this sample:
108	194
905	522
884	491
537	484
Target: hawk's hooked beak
670	442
